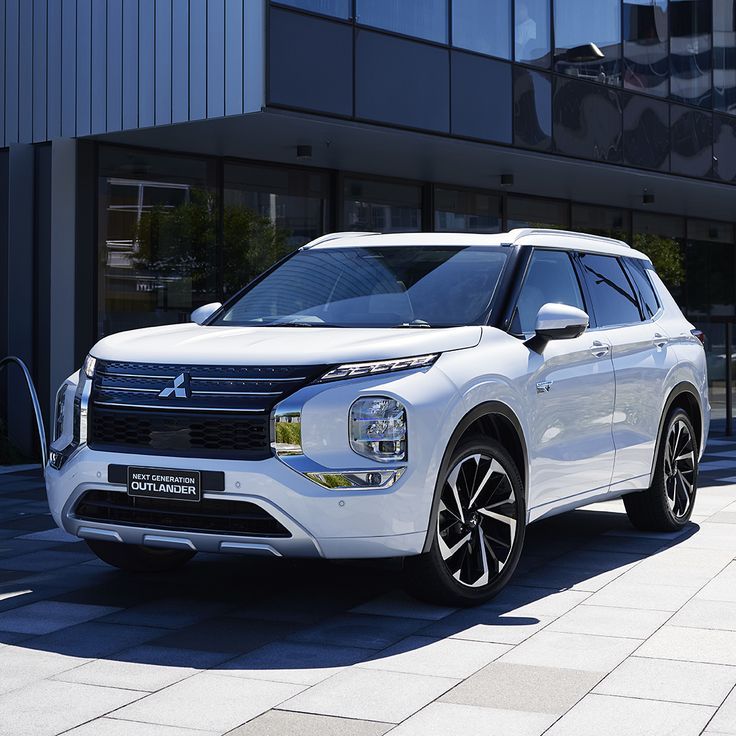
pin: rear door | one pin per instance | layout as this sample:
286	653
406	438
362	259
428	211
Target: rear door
569	390
626	309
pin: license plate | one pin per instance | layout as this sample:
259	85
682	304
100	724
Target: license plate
180	485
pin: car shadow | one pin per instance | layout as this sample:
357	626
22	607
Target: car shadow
279	618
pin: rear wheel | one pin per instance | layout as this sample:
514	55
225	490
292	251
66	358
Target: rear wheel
479	530
668	503
135	558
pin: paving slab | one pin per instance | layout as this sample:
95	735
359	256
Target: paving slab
279	723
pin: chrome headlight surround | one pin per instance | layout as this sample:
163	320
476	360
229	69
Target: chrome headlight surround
378	428
358	370
287	432
59	410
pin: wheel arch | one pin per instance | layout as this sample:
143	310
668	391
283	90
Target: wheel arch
683	396
495	420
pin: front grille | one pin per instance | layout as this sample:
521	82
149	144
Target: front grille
210	516
220	411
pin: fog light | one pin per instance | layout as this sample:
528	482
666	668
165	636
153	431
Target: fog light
378	428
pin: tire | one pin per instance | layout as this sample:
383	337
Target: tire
667	505
466	573
134	558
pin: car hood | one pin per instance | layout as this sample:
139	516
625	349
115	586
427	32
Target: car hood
193	344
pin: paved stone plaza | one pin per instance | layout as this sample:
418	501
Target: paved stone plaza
604	630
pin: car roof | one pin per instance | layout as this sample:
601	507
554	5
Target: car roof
539	237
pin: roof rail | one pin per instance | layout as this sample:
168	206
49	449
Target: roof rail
335	236
523	232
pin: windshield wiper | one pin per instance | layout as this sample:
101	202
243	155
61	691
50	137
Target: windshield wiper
415	323
299	324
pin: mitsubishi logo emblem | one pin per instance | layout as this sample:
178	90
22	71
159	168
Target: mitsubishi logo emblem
180	389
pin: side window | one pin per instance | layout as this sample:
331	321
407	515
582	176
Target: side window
613	296
550	278
647	295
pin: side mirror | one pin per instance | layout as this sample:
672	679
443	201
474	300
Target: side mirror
202	314
557	322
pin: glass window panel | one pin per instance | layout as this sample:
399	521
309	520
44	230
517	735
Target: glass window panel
532	109
338	8
157	253
614	300
378	206
692	141
724	55
646	62
532	32
268	213
724	148
420	18
550	279
486	116
534	212
646	132
588	39
587	120
605	221
690	51
710	267
466	211
647	296
480	25
662	237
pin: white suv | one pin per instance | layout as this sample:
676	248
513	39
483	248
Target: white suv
423	396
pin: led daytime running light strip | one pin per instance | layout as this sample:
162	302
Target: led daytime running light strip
355	370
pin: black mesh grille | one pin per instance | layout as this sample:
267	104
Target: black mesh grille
148	432
213	516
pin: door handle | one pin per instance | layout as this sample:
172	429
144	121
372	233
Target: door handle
660	340
600	349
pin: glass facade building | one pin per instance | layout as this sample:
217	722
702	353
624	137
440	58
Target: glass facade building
175	149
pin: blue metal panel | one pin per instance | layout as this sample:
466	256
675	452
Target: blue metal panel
53	95
180	61
84	66
197	59
99	63
163	62
2	77
11	71
69	68
114	65
130	64
40	51
25	72
234	57
215	58
146	64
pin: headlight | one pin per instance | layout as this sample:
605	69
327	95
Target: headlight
89	366
378	428
354	370
59	411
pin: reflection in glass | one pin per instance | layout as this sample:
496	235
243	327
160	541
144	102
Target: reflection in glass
466	211
587	120
588	39
609	222
692	141
532	109
157	225
338	8
661	238
724	148
646	62
690	51
482	26
536	212
532	31
267	214
381	206
646	132
420	18
724	56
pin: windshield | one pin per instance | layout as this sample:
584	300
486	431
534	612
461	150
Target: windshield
390	286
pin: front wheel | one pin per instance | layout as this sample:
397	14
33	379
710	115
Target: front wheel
667	505
135	558
478	532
